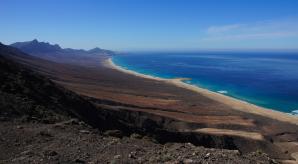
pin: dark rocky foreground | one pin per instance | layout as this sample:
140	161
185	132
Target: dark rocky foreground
73	141
41	122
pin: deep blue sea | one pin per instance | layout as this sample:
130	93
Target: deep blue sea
267	79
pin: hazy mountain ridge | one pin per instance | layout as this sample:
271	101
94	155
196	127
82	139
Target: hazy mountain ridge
36	46
54	52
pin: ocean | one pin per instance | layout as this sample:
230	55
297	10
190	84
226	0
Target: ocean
266	79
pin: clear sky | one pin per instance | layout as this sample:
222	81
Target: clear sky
127	25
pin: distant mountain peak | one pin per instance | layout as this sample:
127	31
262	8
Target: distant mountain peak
35	46
96	49
99	50
54	52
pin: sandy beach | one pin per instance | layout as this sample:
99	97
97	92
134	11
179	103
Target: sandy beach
232	102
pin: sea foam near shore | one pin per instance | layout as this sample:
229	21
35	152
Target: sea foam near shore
223	91
294	112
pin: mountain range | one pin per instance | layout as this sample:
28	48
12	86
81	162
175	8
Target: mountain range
54	52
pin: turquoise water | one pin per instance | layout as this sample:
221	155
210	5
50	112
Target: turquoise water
267	79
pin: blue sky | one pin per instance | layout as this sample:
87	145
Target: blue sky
128	25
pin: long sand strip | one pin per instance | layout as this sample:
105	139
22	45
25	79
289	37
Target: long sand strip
232	102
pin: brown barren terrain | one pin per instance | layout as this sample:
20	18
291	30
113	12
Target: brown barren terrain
185	114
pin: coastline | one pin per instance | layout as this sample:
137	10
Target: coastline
234	103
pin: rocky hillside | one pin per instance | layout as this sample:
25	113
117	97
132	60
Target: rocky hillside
41	122
25	93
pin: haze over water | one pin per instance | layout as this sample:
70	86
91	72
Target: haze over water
267	79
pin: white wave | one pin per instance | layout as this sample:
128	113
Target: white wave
294	112
222	92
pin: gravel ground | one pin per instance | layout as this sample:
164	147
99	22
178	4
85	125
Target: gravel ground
73	141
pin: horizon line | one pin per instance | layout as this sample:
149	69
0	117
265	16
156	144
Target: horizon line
168	49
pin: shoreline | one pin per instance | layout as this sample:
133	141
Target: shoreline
234	103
